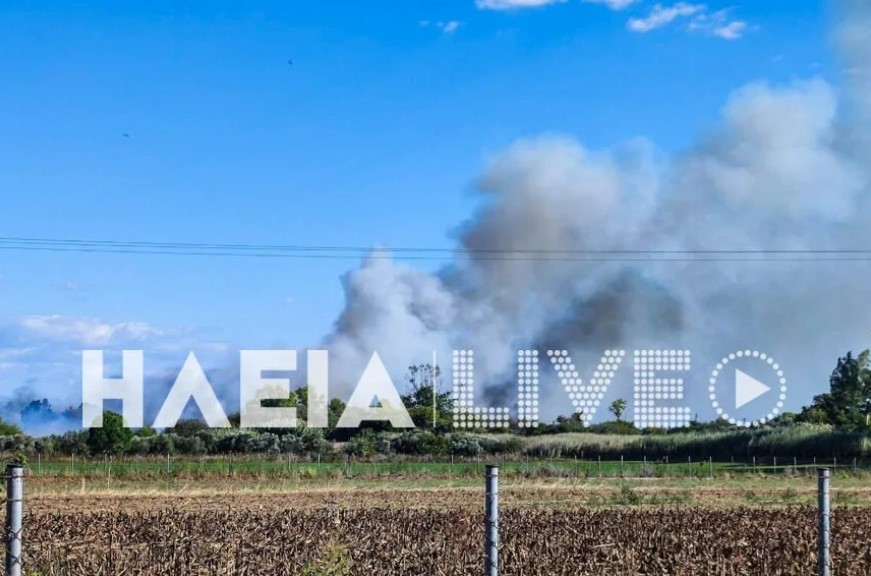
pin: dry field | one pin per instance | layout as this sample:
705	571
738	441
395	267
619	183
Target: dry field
656	528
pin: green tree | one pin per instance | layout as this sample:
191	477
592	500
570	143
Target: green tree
9	429
335	409
112	438
363	444
146	432
427	405
572	423
188	427
290	402
847	405
617	408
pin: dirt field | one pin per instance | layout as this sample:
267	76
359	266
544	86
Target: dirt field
760	527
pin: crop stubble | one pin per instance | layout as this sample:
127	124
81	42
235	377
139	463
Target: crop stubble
240	537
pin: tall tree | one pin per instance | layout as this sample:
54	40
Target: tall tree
617	408
112	438
847	405
425	401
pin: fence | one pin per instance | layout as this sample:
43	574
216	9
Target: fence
15	474
14	518
298	467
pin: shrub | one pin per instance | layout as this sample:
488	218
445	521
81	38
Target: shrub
421	442
361	445
502	445
464	446
189	445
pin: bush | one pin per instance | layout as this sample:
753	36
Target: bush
140	445
9	429
616	427
161	444
421	442
309	441
192	445
464	446
503	445
361	445
74	442
235	441
46	446
266	443
384	443
17	443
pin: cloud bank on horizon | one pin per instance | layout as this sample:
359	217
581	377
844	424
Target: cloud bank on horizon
40	357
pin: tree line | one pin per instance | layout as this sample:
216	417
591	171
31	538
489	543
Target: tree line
845	408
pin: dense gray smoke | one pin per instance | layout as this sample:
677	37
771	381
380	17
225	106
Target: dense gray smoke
855	48
787	169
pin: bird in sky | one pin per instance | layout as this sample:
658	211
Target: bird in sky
126	135
290	61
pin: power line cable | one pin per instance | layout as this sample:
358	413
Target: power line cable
425	253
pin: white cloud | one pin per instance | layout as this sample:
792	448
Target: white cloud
87	331
731	31
70	286
662	16
517	4
448	27
614	4
718	24
41	355
13	353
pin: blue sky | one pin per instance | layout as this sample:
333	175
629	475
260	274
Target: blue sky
372	137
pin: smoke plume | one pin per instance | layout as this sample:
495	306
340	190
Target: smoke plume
788	168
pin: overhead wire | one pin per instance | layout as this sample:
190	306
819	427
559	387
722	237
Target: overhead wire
332	252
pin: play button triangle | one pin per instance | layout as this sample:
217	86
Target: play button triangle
747	388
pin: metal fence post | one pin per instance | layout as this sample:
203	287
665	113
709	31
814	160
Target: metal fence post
14	499
492	519
824	561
